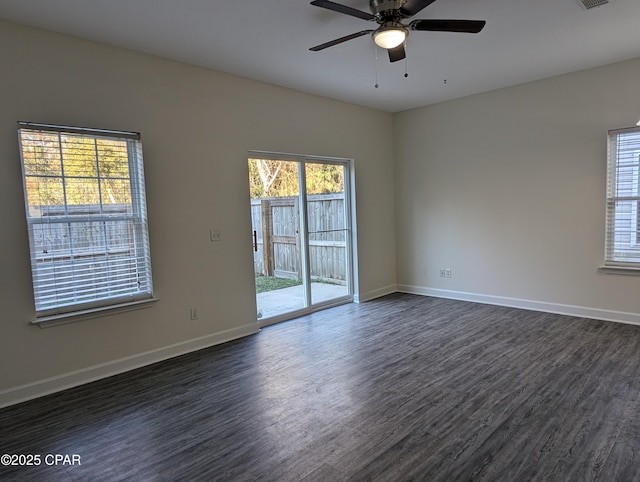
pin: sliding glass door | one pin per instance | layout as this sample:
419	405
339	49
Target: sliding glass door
327	231
301	227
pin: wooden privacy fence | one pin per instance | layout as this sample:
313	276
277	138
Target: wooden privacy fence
276	224
81	231
81	250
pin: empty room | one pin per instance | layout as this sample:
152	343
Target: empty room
314	240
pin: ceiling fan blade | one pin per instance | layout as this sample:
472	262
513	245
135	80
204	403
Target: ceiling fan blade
397	53
336	7
465	26
339	40
411	7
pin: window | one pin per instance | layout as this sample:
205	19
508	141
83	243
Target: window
86	215
623	199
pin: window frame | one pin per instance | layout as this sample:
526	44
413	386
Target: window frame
138	287
619	258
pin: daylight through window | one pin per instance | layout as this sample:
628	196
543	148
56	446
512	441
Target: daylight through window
86	215
623	199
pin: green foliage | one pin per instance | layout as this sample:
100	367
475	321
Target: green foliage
269	178
74	169
274	178
324	178
271	283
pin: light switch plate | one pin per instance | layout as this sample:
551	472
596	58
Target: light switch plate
215	235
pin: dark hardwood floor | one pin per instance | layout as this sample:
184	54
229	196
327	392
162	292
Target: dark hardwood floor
399	388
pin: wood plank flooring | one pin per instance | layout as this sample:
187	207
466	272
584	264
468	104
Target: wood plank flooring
399	388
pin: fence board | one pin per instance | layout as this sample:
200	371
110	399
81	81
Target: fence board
327	236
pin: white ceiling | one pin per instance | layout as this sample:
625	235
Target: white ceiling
268	40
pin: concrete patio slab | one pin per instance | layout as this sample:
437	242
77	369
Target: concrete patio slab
277	302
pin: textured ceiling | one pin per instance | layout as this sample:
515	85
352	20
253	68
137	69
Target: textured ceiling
268	40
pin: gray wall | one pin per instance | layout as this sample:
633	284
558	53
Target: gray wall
507	189
196	126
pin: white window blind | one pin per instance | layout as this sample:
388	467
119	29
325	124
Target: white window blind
86	215
622	246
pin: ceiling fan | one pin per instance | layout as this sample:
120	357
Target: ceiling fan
392	33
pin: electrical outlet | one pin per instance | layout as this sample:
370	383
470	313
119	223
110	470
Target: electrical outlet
215	235
194	313
447	273
442	273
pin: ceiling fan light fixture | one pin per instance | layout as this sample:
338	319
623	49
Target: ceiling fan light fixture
389	37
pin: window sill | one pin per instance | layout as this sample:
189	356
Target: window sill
624	270
64	318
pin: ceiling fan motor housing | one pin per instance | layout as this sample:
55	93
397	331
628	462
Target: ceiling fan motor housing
385	9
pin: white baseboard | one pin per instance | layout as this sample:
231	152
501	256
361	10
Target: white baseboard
58	383
561	309
373	294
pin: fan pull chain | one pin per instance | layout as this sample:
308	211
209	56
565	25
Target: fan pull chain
375	48
406	61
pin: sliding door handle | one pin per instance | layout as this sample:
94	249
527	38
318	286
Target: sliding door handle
255	240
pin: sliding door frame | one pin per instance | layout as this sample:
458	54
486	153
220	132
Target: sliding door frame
350	244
